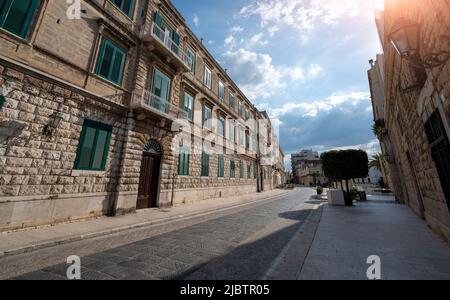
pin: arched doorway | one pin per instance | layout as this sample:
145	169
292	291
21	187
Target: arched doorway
149	178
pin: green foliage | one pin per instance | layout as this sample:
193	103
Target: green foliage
345	164
376	161
319	190
379	127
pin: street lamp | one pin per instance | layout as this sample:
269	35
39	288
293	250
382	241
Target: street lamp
406	36
55	120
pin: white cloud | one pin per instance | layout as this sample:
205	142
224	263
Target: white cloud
312	109
272	30
231	41
305	16
196	21
257	76
372	147
257	39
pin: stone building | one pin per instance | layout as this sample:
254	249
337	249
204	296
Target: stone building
416	127
303	164
118	110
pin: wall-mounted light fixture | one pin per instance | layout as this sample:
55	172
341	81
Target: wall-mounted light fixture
406	39
55	120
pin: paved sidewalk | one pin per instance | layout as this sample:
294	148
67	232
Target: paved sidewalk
347	236
44	237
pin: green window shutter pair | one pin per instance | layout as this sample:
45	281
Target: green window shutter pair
205	164
241	169
221	168
127	6
249	171
93	148
183	161
232	169
111	61
16	15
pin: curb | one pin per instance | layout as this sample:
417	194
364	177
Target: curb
76	238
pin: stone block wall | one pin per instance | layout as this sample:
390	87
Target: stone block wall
37	182
407	112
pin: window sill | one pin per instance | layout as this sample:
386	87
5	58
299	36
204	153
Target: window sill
106	80
78	173
15	36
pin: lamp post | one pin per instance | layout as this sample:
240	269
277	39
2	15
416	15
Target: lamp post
406	39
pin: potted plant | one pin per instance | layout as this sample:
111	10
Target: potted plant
319	190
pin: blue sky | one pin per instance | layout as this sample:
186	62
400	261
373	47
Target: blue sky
304	61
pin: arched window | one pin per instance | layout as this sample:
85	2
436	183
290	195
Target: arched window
153	147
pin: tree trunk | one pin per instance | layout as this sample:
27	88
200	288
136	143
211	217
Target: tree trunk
342	186
346	184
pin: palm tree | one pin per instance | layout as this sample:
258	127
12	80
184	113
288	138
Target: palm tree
376	161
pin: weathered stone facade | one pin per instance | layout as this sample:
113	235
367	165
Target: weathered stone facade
409	106
53	70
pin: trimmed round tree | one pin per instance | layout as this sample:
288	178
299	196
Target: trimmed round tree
345	165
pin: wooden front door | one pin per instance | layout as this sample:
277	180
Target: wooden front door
149	181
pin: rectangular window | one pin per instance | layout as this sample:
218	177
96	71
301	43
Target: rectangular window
205	164
208	77
2	101
221	166
111	61
255	171
232	169
188	106
232	133
16	15
183	161
207	117
221	126
166	33
247	140
240	109
221	91
241	169
190	59
241	137
249	170
94	146
232	103
127	6
160	91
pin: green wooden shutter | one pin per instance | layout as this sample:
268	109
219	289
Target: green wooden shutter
94	146
16	15
111	61
158	19
2	101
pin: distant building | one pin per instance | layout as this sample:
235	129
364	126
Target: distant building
307	168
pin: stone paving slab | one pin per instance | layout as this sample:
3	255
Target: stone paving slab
347	236
240	245
16	242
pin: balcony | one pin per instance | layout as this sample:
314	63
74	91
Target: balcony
147	103
159	41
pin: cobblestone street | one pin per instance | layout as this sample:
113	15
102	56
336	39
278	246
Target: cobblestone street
242	244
